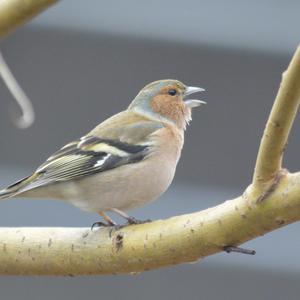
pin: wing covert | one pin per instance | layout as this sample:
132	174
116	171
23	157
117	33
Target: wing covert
86	156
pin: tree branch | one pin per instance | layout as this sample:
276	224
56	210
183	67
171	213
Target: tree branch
135	248
279	124
14	13
19	95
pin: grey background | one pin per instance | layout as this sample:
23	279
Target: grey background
82	61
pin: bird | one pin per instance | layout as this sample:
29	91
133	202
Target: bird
123	163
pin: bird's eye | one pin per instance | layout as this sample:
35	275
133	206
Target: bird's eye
172	92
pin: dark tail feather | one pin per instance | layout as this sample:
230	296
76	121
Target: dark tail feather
13	189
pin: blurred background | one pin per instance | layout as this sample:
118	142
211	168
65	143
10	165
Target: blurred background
82	61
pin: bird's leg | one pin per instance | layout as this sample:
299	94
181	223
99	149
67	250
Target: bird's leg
230	249
110	222
108	219
130	220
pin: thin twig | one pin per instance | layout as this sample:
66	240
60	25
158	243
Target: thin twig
24	102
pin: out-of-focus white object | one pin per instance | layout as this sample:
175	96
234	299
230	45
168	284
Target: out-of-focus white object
27	117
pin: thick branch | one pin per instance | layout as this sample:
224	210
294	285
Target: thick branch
71	251
278	127
136	248
14	13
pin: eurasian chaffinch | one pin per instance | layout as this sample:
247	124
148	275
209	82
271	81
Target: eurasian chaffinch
124	162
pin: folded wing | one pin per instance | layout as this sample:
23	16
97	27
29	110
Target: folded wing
85	157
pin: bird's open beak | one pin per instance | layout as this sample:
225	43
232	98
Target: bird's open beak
193	102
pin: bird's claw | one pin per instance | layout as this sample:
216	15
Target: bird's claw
115	227
101	224
133	220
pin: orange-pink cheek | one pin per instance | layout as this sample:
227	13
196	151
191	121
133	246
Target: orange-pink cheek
166	106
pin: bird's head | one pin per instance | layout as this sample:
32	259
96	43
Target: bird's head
165	101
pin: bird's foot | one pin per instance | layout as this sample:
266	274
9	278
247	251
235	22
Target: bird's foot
111	226
103	224
132	220
230	249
